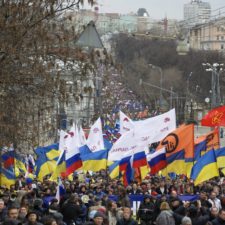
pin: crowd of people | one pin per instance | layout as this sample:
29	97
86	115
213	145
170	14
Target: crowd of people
97	200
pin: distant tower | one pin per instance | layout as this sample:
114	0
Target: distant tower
165	24
196	12
96	10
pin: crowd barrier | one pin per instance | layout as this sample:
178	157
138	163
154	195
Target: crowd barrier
137	199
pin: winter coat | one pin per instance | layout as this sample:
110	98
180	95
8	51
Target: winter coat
165	218
218	221
146	212
127	222
71	212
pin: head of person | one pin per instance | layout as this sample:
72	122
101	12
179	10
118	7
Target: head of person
173	194
98	218
203	195
222	214
213	195
214	211
164	206
32	217
162	183
186	221
23	210
147	198
13	213
175	203
127	213
2	204
134	186
51	221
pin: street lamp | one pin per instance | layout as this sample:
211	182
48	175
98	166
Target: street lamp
172	93
161	81
216	69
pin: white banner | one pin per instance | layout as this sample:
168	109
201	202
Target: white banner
126	124
143	135
155	129
95	139
124	146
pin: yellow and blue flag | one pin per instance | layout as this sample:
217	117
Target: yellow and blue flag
60	170
97	160
205	168
7	177
46	160
220	157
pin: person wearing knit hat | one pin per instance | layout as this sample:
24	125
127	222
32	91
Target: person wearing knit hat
98	219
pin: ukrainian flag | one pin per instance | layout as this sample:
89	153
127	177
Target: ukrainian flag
60	170
7	177
220	157
93	161
46	160
205	168
114	169
97	160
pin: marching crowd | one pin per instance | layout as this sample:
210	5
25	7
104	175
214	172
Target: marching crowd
97	200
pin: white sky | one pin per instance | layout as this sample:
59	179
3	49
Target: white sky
157	9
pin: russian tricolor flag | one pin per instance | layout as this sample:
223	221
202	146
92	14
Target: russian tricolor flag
30	164
123	163
157	161
139	160
73	160
125	166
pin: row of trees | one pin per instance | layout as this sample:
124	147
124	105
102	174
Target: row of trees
135	55
32	39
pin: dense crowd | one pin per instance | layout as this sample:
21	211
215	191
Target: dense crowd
97	200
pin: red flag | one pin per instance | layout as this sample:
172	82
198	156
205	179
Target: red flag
215	117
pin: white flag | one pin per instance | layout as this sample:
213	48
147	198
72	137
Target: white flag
71	143
62	140
82	137
95	139
155	129
126	124
144	133
126	145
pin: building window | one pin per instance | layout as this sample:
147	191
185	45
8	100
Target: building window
222	37
218	38
222	47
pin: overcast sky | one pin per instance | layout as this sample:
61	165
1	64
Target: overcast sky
157	9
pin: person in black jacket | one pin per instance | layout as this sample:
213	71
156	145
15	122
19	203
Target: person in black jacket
220	220
146	211
127	218
71	210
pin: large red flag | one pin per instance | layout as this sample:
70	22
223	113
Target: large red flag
215	117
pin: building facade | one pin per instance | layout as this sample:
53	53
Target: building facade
208	36
196	12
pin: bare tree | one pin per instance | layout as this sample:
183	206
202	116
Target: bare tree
32	38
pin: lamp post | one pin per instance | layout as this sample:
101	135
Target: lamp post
216	69
172	93
161	81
